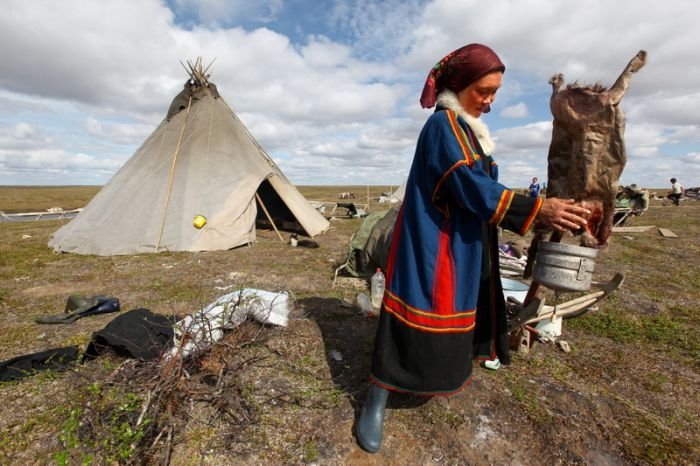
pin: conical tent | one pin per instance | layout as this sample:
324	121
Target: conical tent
397	196
200	160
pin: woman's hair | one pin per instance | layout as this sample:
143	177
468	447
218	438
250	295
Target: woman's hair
673	180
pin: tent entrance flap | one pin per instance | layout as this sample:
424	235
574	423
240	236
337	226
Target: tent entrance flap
283	217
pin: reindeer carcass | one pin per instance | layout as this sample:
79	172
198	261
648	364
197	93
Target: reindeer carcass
587	152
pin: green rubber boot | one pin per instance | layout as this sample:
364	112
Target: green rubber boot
371	422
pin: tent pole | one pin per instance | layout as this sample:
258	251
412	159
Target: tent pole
172	174
269	217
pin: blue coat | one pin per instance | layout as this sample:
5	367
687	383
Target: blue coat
442	272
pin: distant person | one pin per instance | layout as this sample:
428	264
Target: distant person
676	192
534	189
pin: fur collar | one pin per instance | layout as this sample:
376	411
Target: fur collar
449	100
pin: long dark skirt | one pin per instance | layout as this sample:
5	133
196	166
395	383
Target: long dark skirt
409	360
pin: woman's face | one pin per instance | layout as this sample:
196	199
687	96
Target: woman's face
480	94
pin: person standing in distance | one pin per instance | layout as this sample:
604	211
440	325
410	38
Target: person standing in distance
534	189
676	192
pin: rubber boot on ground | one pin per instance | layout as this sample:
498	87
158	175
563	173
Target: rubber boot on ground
371	422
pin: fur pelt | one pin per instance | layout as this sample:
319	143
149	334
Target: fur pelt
449	99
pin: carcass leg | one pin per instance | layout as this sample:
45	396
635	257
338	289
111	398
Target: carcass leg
617	91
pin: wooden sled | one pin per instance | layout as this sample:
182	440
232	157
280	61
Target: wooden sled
536	310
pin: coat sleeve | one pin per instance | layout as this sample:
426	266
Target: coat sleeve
456	174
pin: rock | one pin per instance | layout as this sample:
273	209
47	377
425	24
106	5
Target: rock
564	345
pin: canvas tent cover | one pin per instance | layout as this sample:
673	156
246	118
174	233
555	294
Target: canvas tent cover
394	197
201	160
397	196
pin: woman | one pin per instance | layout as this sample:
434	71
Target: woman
443	304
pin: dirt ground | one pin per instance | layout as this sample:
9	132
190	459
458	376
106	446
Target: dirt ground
625	394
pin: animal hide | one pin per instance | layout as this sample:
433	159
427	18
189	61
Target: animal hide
587	152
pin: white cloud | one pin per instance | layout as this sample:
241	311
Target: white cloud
693	159
524	139
381	28
518	110
322	52
217	13
667	108
21	136
23	131
90	80
57	166
124	134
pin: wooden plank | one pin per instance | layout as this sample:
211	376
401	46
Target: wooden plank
639	229
665	232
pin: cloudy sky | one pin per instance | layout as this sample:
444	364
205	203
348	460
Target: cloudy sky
330	88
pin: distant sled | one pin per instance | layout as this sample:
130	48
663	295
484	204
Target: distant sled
50	214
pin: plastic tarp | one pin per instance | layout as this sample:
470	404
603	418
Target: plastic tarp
203	328
369	246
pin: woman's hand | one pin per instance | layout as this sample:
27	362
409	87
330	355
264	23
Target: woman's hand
562	214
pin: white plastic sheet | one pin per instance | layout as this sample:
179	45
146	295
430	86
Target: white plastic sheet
205	327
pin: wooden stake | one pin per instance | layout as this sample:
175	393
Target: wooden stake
257	196
534	286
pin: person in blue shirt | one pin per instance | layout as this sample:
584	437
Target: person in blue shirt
534	189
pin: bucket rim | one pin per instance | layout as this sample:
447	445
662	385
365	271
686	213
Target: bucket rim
567	249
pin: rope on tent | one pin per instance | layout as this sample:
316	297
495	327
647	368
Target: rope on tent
269	217
172	174
262	151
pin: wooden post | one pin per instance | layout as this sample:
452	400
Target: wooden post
172	174
534	286
269	217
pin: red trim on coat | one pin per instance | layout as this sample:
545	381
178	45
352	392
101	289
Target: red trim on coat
531	218
444	276
396	389
395	238
449	171
503	205
467	150
458	322
465	141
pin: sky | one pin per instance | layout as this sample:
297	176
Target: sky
331	89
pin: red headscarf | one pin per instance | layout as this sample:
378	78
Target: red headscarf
458	70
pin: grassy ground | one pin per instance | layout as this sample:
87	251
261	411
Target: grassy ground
625	394
32	199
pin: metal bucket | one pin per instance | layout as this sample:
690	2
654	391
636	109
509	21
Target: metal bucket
564	266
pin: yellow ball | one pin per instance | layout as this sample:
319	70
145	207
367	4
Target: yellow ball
199	221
